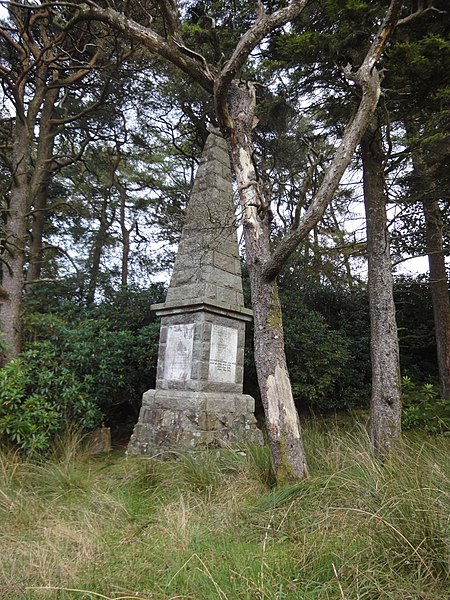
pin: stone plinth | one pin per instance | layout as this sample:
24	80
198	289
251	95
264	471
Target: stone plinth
198	400
173	419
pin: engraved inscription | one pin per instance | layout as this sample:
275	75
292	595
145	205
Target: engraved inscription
178	361
223	354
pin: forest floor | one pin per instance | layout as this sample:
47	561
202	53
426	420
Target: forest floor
212	525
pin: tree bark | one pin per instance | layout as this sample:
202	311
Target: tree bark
385	422
13	256
97	250
36	257
126	231
439	290
436	261
39	183
283	425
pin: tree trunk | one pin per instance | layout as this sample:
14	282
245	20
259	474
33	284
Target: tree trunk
39	183
439	290
99	242
13	256
125	257
436	260
125	234
36	256
283	426
385	426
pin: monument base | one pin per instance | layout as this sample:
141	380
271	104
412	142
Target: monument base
177	419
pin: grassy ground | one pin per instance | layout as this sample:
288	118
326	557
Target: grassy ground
210	525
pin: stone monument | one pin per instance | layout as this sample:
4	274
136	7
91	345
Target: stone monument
198	400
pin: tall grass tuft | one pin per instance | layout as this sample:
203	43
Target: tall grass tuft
212	525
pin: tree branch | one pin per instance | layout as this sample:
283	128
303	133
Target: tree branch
186	59
418	13
368	78
265	23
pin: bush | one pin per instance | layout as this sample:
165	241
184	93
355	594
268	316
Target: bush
39	397
79	367
318	358
423	408
327	346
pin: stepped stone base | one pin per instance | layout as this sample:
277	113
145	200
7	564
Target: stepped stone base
177	419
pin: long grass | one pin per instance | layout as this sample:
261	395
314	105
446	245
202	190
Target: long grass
211	525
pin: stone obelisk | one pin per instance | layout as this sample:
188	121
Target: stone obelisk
198	399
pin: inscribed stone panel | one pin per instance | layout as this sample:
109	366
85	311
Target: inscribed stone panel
222	361
178	358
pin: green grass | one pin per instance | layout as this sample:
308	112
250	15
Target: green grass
209	525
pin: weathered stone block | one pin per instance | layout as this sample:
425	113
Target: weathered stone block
218	404
225	262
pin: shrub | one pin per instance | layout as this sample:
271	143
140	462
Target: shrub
317	358
39	396
423	408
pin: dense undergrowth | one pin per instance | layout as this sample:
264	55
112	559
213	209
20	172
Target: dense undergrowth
211	524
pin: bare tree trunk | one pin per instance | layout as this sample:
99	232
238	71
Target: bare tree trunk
436	260
99	242
13	256
36	257
385	426
125	256
39	183
439	290
125	233
283	426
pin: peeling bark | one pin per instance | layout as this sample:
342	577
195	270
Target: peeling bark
283	426
385	421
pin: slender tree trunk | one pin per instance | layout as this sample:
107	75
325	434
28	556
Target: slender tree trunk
13	256
317	258
99	242
439	290
436	261
283	426
385	426
125	234
39	183
36	256
125	257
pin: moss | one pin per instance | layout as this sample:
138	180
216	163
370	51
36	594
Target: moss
284	470
274	318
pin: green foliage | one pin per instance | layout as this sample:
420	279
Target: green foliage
80	367
40	396
419	69
414	315
423	408
317	358
327	343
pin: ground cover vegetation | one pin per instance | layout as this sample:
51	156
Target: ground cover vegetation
211	524
102	126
